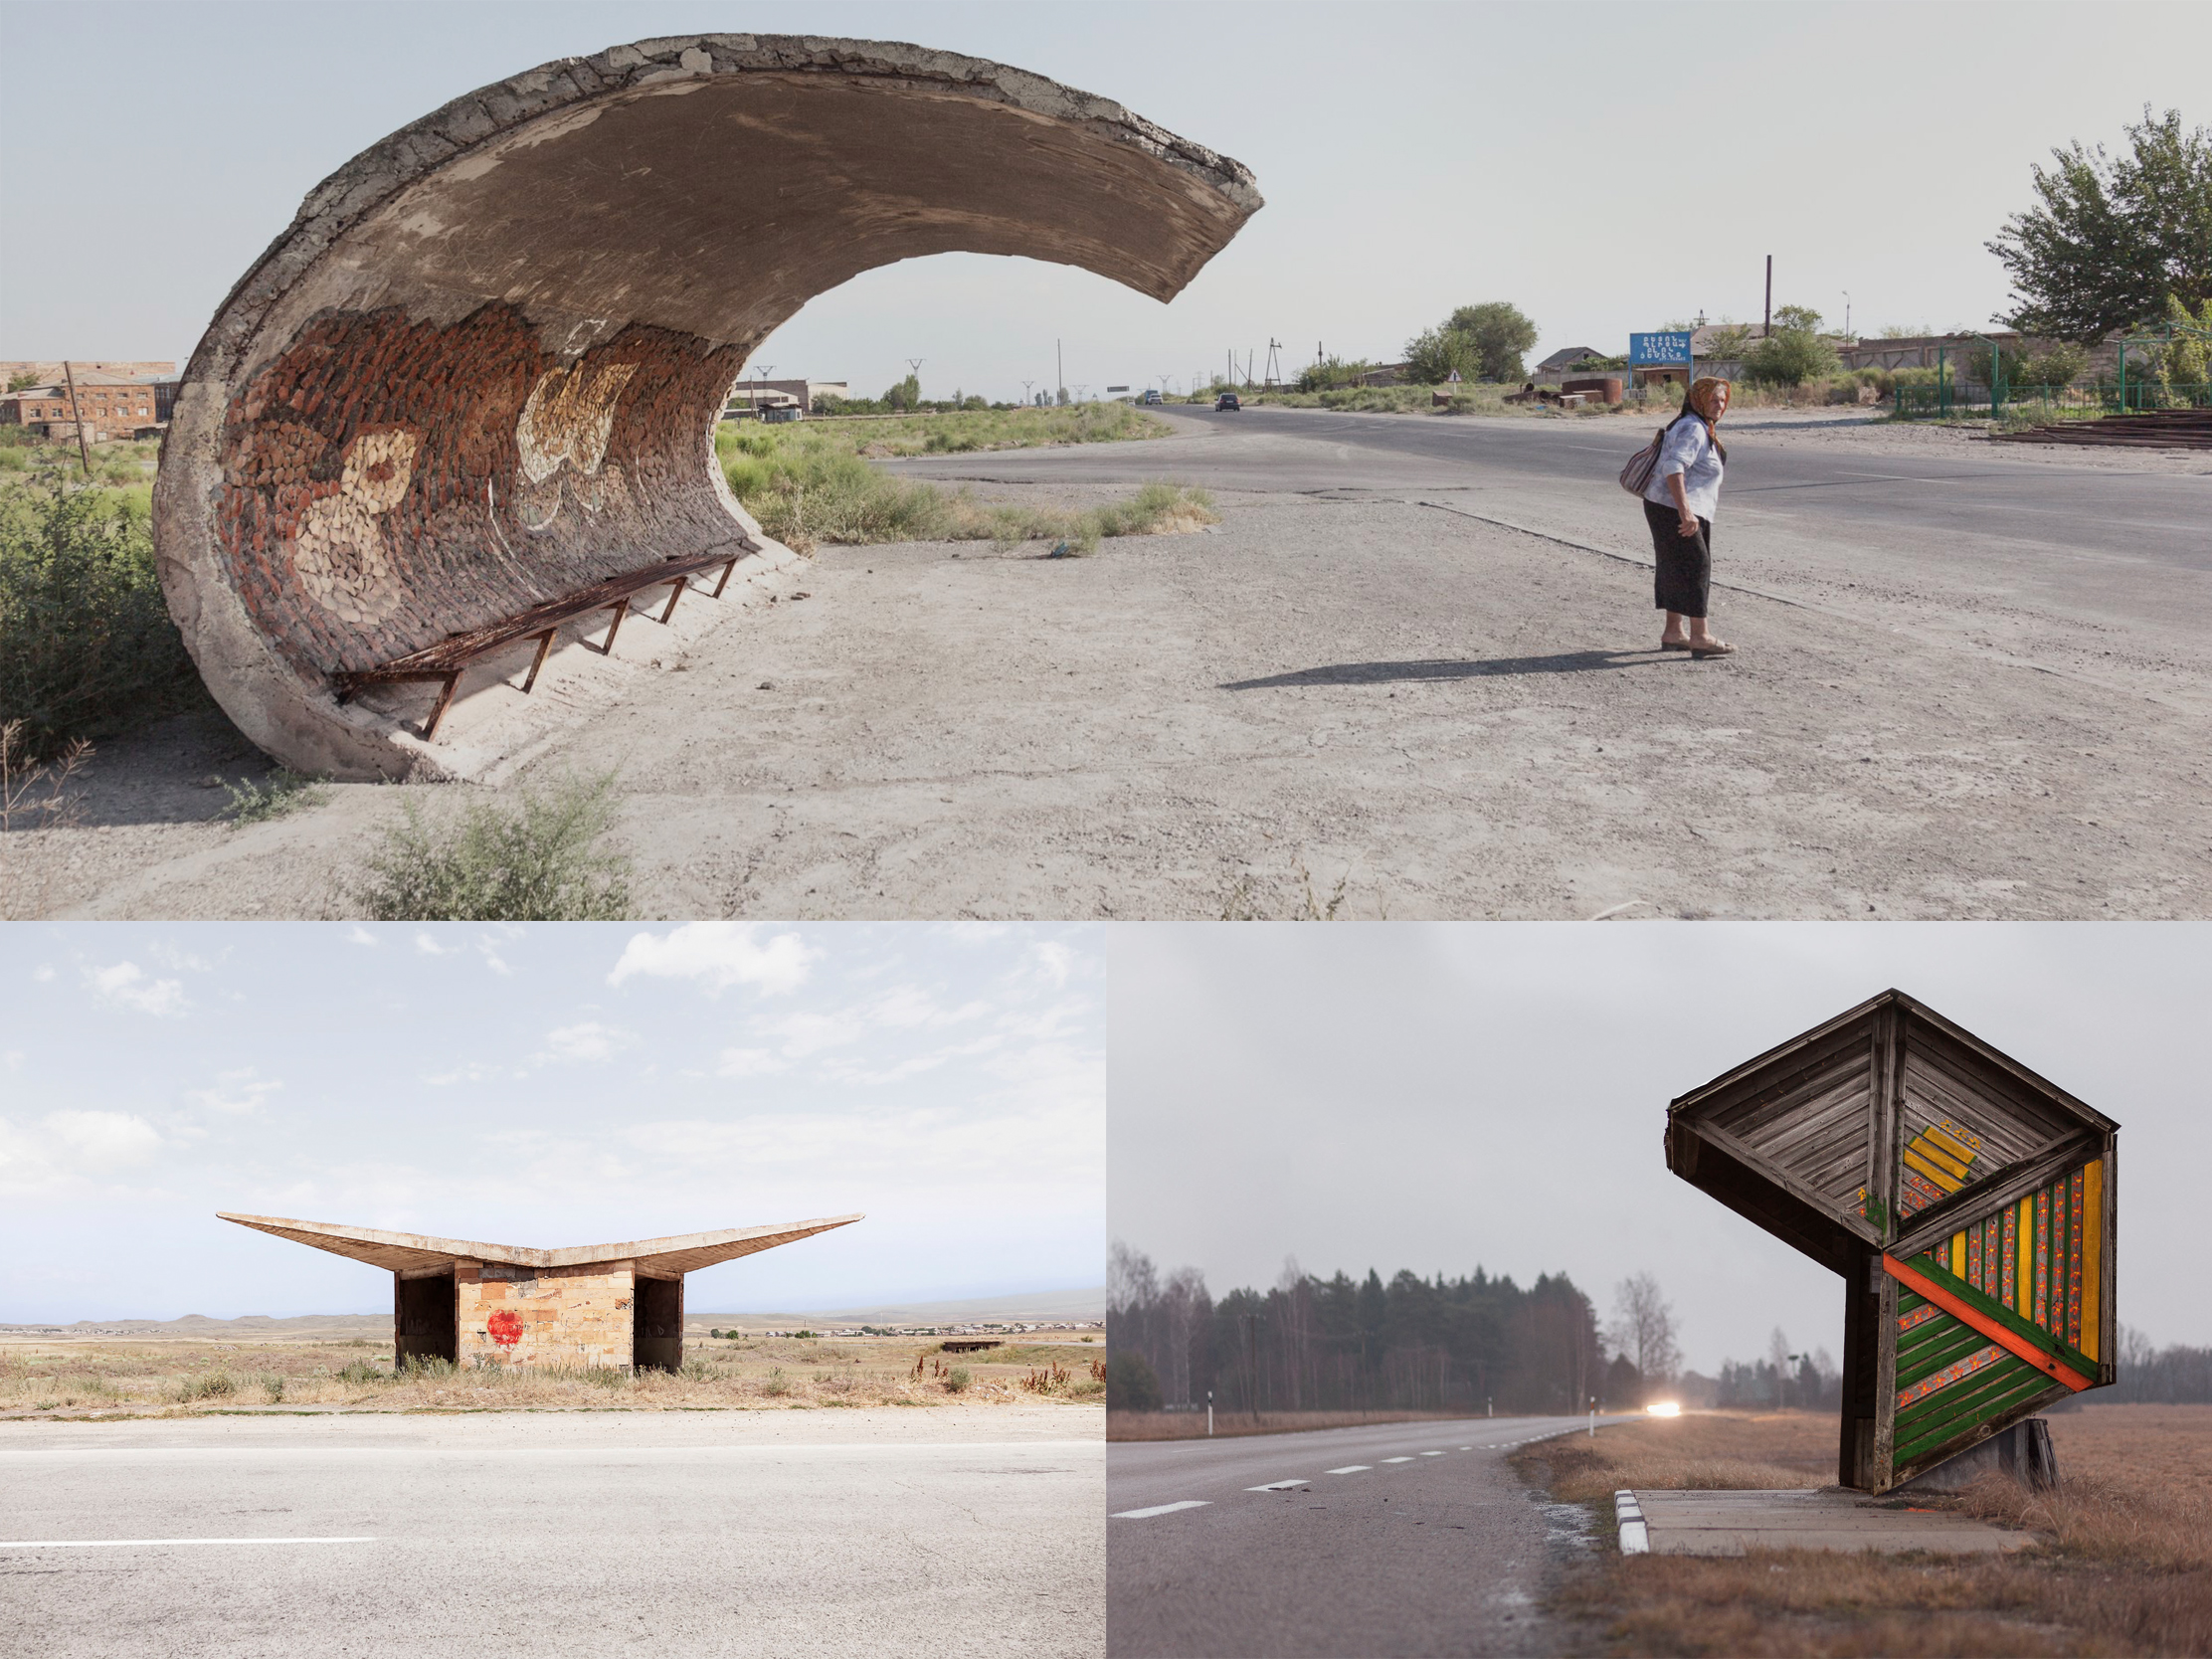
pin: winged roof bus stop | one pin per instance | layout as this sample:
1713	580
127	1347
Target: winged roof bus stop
1966	1203
470	1304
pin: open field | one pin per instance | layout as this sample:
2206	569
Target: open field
812	481
750	1372
2123	1563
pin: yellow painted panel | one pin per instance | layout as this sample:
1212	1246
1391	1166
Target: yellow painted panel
2093	1239
1933	1144
2024	1281
1916	1160
1958	1254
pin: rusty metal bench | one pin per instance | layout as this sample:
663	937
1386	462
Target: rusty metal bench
451	658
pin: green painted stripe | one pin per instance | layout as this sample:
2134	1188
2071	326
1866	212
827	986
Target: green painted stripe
1928	1437
1969	1401
1951	1341
1992	1308
1907	1300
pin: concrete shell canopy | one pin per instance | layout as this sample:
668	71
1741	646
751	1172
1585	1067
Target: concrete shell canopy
473	1304
481	369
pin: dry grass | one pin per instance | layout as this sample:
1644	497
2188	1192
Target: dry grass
1191	1425
65	1379
2123	1563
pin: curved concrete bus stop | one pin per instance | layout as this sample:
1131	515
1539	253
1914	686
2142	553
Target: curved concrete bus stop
463	408
473	1304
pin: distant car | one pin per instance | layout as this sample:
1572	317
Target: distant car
1152	394
1228	400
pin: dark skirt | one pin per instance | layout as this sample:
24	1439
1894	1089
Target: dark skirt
1684	578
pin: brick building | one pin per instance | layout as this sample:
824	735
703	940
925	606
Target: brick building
113	405
617	1305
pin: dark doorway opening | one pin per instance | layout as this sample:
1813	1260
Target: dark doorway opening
424	1326
657	1325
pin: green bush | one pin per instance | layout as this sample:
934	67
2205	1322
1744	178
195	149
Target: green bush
86	645
1790	357
959	1380
1130	1383
539	860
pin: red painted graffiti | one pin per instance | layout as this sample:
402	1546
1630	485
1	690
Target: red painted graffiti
505	1327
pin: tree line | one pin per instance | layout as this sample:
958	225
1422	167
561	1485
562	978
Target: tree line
1309	1343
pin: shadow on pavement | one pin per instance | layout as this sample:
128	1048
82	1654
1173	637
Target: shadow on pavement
1379	674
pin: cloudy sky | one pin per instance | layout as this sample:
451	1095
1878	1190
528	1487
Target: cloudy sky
1606	167
1437	1096
549	1085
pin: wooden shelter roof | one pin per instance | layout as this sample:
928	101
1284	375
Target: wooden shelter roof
1813	1140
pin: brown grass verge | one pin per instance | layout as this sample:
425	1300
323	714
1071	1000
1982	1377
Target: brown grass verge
2123	1563
77	1379
1191	1425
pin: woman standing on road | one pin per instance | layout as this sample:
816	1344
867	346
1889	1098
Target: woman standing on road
1680	501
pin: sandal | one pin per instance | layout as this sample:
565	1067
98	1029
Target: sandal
1714	648
1674	645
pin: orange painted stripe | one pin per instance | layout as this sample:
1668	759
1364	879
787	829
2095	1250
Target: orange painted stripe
2001	1335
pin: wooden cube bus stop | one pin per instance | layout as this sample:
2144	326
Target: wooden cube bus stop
471	1304
1966	1203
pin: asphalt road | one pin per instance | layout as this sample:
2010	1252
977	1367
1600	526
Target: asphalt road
1389	1540
1958	524
552	1533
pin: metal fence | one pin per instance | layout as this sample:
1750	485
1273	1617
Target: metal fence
1949	398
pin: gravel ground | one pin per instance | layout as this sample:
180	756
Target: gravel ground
1445	717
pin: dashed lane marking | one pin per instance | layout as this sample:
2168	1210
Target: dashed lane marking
1350	1469
1281	1484
1432	1454
1156	1509
1397	1461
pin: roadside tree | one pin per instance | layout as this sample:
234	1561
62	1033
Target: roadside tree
2112	236
1643	1331
1489	341
1795	352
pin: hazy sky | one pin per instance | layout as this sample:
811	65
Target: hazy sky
553	1085
1433	1096
1606	167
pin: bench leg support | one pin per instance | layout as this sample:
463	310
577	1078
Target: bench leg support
676	591
545	644
620	610
444	702
725	582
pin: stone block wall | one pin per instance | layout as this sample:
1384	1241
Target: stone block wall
545	1315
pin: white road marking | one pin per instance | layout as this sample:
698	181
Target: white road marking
160	1543
1432	1454
1397	1461
1350	1469
1281	1484
1156	1509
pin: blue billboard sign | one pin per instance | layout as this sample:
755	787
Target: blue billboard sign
1672	346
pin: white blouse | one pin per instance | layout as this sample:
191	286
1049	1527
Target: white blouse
1687	449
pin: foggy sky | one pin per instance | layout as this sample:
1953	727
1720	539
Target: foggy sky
1435	1096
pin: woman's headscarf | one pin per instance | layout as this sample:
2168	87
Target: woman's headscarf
1703	400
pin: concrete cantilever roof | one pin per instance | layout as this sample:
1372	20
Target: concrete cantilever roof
411	1252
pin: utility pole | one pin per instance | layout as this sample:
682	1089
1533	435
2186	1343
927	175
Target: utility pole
1769	297
1025	398
1846	316
1059	372
77	409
